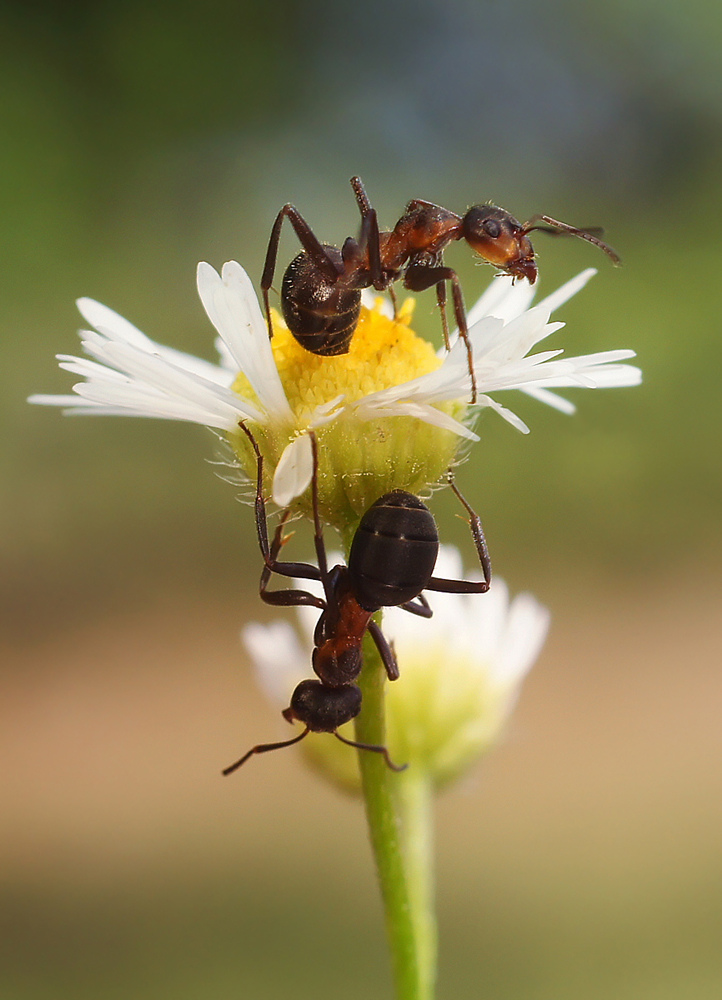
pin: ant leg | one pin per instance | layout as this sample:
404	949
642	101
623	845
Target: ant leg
477	531
263	748
419	277
288	598
385	651
318	541
394	302
362	199
284	598
259	503
422	609
467	586
565	229
310	244
441	299
369	237
375	749
270	553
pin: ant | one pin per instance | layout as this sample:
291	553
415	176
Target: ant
321	288
390	563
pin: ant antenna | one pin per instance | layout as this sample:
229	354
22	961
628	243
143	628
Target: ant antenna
264	748
563	227
369	746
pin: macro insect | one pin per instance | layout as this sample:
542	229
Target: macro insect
321	287
390	564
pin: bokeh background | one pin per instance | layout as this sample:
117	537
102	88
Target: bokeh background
582	858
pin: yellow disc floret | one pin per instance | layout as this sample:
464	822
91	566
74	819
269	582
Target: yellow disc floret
383	352
360	458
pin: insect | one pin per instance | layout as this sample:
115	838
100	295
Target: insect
321	288
391	562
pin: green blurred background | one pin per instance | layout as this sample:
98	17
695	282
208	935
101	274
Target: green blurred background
582	859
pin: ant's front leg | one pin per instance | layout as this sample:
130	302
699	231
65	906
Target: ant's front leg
310	244
419	277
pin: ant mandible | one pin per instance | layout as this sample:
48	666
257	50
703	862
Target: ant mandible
390	563
321	288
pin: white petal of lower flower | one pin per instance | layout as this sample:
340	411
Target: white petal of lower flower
278	656
524	635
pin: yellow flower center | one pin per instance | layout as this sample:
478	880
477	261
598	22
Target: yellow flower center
383	353
361	457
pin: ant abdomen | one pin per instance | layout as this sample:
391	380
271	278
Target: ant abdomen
321	708
393	552
321	314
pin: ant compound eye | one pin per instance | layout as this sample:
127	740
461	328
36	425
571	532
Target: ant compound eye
492	228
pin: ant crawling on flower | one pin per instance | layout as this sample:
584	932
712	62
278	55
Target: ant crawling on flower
321	288
390	564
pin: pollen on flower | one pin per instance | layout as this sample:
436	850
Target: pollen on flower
384	352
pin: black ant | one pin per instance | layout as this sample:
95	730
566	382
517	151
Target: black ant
321	289
390	563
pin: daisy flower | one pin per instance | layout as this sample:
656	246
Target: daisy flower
389	414
460	674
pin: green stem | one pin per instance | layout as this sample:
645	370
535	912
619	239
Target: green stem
414	797
398	812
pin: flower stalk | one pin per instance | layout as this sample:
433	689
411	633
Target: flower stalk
399	816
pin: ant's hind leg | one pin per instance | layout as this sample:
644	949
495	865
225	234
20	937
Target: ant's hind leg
310	243
370	746
386	652
467	586
477	531
369	236
419	606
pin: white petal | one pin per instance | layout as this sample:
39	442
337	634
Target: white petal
568	290
504	299
294	471
550	398
278	657
371	300
324	413
111	323
367	410
526	631
232	307
115	327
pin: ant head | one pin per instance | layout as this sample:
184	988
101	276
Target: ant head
336	665
501	240
323	709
